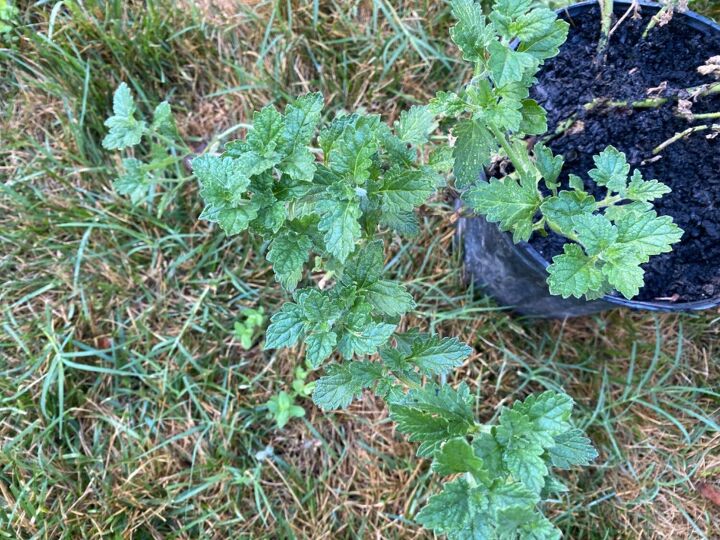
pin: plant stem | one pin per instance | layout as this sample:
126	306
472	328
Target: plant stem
678	136
515	158
566	234
706	116
649	103
656	19
609	201
606	13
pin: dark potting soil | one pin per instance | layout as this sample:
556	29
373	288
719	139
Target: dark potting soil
691	167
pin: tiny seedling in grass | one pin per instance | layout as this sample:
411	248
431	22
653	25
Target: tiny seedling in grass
163	150
246	331
8	12
282	409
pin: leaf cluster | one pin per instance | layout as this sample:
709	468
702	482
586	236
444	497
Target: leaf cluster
610	238
506	469
127	132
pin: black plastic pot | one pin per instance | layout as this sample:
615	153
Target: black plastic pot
515	274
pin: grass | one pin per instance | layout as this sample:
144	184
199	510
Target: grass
127	408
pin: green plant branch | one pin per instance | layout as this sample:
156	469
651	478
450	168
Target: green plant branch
681	135
606	14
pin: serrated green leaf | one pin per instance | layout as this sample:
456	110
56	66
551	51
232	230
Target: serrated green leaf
434	355
339	221
125	129
490	451
320	346
645	190
534	118
514	19
508	65
506	115
300	164
540	528
366	265
441	159
594	232
576	183
402	222
344	382
433	414
562	209
320	307
553	485
223	185
534	24
512	495
574	273
266	131
162	118
549	413
625	275
611	170
472	151
470	33
547	45
352	151
402	190
646	234
457	456
512	8
389	297
134	181
415	125
329	135
286	327
366	338
509	203
447	104
526	465
301	119
288	254
572	448
453	509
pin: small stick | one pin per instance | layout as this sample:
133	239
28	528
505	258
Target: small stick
634	7
678	136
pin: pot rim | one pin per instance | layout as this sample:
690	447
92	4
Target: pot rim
698	22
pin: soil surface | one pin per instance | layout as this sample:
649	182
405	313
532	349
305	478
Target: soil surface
691	167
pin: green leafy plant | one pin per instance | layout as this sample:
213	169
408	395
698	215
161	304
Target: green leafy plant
610	237
326	195
247	330
8	12
155	150
282	409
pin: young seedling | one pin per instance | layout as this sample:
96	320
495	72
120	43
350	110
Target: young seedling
333	192
163	148
282	409
246	331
